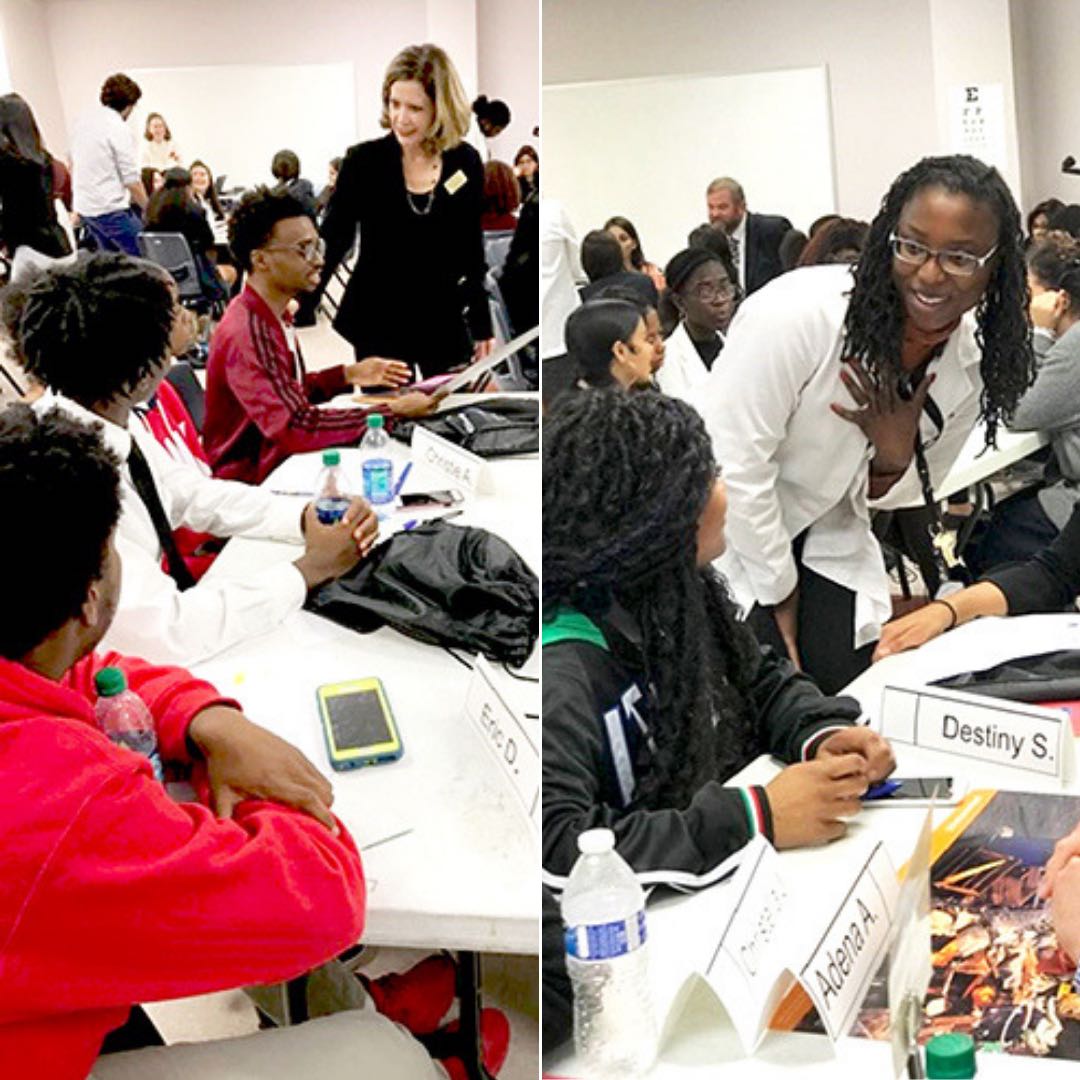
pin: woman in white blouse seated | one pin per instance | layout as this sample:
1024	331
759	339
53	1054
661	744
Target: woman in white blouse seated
159	151
702	294
833	376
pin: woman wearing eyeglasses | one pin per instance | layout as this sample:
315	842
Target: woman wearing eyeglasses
417	292
831	378
702	294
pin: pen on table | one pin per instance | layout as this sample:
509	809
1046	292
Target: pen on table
401	479
298	494
413	522
882	790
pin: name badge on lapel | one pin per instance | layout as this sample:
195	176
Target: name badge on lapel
456	182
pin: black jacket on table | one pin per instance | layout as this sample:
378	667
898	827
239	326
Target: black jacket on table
1049	581
417	291
596	745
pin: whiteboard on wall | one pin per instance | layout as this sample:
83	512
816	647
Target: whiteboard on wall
647	148
236	117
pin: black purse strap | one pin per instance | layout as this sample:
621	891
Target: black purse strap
143	479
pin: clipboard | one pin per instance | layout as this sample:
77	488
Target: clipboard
482	367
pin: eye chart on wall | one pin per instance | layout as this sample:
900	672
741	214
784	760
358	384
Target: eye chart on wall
977	122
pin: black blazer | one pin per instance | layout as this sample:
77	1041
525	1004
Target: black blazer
763	235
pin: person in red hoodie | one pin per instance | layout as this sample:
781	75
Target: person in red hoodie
261	406
111	892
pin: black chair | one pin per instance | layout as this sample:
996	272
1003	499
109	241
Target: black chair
186	383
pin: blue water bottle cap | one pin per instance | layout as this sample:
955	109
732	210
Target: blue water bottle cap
109	682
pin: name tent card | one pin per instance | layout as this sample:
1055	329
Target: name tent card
1005	734
463	468
746	969
849	952
513	744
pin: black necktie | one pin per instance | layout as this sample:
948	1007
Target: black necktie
143	480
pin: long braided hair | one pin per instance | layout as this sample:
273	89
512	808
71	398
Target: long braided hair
626	477
874	326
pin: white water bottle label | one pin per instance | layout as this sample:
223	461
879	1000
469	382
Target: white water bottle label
606	941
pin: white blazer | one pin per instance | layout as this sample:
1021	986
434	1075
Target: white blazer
154	619
792	464
683	371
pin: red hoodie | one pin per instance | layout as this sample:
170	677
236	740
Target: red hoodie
112	894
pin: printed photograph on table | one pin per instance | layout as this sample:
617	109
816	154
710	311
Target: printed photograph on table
999	974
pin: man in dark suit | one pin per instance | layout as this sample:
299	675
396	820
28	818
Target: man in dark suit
754	238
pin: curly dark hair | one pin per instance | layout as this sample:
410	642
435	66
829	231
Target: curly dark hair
626	478
95	329
1054	261
254	218
874	325
120	91
49	461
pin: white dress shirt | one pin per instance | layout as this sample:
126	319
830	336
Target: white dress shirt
560	270
154	619
683	371
791	464
739	236
103	162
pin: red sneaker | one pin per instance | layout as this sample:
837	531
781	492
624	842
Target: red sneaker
418	998
494	1044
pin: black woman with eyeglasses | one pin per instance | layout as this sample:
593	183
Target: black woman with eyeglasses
843	385
702	294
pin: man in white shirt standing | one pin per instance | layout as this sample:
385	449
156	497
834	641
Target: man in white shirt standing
754	238
105	169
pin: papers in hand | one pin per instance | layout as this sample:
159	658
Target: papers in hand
493	360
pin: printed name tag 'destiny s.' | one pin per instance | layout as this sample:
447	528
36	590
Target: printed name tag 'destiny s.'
1002	733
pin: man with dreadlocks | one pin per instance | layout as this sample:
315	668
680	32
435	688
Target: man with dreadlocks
835	380
654	693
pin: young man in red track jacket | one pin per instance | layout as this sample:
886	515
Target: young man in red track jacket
111	893
261	407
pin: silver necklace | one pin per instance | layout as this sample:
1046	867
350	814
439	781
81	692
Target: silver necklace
424	209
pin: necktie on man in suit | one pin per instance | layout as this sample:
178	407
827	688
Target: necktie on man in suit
143	479
733	243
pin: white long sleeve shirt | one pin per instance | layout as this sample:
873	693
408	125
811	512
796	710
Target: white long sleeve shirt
560	270
792	465
154	619
103	162
683	372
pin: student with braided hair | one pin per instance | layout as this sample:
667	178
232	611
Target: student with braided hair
654	693
834	377
98	335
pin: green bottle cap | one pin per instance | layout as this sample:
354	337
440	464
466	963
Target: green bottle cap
375	420
950	1057
331	457
109	682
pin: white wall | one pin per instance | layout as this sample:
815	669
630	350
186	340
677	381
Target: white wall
25	32
877	52
508	32
1046	34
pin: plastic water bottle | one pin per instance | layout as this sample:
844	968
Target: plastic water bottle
378	466
124	717
331	500
603	910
